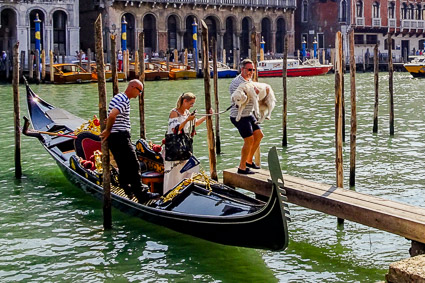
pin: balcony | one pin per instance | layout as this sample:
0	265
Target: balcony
376	22
359	21
405	24
392	23
274	4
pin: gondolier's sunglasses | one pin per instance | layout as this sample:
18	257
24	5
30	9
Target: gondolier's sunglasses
250	70
140	91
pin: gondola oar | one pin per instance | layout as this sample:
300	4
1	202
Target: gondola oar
35	133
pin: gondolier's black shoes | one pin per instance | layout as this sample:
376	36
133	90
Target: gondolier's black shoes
245	172
252	165
146	195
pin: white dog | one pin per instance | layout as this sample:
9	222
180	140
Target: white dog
241	97
264	102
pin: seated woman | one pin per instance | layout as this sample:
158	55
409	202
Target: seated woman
181	117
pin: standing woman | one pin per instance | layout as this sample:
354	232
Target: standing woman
181	118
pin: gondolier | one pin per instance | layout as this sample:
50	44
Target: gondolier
117	133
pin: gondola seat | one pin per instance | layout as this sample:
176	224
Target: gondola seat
86	144
154	180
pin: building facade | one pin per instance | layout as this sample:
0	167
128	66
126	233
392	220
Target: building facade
167	25
60	30
371	21
316	21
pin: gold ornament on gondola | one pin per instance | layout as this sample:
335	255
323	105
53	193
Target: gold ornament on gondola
92	126
200	178
98	161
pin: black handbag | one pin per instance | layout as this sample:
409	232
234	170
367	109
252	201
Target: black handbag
178	146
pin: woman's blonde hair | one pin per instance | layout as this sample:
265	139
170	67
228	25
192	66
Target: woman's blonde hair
184	95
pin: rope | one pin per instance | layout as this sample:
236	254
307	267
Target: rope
219	113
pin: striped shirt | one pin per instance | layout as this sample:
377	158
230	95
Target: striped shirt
122	103
249	106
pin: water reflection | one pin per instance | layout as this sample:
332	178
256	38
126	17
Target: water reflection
50	231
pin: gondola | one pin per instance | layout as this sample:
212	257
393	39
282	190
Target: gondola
199	206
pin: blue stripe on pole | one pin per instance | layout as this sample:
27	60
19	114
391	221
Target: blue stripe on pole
37	22
123	34
195	40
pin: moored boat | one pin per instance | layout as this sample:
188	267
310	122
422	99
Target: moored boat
198	206
273	68
181	71
69	73
416	67
223	71
108	73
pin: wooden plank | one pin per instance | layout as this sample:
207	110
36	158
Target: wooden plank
394	217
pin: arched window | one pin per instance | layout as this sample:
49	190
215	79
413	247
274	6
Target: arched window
421	44
280	35
404	11
391	10
418	12
359	9
59	32
411	12
375	10
172	32
304	11
343	11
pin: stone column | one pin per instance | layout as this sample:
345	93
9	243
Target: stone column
180	40
273	43
220	39
162	38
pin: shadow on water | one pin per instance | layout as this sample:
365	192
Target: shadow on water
134	250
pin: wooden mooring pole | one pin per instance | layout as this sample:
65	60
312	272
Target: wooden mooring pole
30	65
89	60
338	113
257	155
207	88
16	111
51	70
142	79
101	84
343	89
217	104
285	91
115	89
43	64
390	83
22	64
376	81
353	131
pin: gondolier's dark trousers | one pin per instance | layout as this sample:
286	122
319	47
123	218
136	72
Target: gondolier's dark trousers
128	166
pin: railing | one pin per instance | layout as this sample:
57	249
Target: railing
392	23
360	21
421	24
405	24
376	22
249	3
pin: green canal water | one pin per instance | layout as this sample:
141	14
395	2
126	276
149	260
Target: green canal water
52	232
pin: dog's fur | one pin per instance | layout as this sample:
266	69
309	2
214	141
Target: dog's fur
264	102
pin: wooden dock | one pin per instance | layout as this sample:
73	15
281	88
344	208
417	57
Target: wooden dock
398	218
